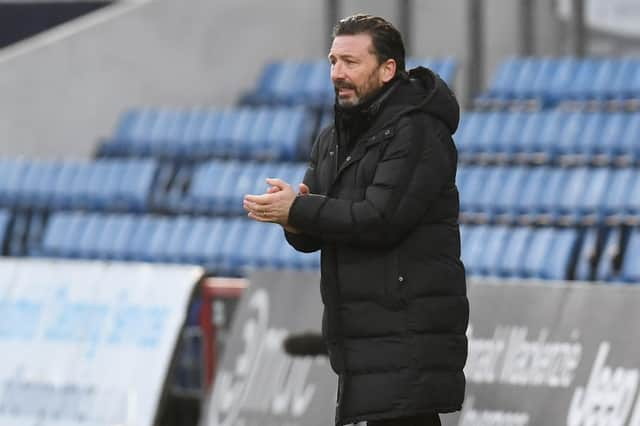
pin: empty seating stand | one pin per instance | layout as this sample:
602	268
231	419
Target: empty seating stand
99	185
308	82
549	195
224	246
265	133
519	252
547	82
550	137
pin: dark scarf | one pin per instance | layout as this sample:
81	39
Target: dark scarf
352	121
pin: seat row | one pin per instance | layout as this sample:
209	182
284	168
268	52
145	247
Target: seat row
224	246
274	133
549	194
553	80
547	136
607	254
518	252
96	185
218	187
308	82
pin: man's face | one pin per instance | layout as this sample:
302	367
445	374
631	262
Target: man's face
355	71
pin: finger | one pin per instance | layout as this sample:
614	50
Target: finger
259	199
258	217
304	189
273	189
277	182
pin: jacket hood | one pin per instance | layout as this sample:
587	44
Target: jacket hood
429	93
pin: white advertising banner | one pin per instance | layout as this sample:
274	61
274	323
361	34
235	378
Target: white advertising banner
619	17
88	343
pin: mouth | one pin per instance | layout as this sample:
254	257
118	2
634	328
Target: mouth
345	91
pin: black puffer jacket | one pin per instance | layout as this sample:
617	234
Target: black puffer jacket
392	282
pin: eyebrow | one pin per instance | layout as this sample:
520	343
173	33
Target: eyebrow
346	56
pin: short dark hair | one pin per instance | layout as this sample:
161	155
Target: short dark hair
386	39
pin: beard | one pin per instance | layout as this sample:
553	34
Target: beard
360	93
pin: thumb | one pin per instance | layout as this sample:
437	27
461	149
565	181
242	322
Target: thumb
304	189
278	183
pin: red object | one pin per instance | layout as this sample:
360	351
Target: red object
214	288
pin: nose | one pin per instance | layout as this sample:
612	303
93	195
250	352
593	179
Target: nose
337	72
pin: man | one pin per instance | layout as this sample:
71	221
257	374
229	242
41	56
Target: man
379	200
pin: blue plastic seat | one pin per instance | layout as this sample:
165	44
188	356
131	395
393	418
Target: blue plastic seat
534	187
471	126
143	233
548	204
620	86
198	135
581	83
318	89
505	78
506	198
538	86
630	138
88	246
553	123
589	138
474	251
630	264
155	247
509	141
530	69
289	129
632	196
231	260
616	195
77	226
572	192
192	251
537	252
211	252
492	186
116	244
515	252
136	184
493	250
487	140
612	250
570	137
558	86
594	192
613	129
605	73
530	140
17	169
587	257
471	191
558	260
178	236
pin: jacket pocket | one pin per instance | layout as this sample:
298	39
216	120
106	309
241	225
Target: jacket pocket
395	282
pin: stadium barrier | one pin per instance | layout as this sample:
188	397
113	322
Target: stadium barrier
540	353
88	342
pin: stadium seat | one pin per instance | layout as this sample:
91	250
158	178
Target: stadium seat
630	265
587	257
560	256
515	252
537	252
607	269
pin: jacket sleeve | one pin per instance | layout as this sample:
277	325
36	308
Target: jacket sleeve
304	242
413	170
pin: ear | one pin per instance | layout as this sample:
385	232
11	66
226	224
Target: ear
388	70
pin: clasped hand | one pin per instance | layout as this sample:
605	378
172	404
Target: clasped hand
274	205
